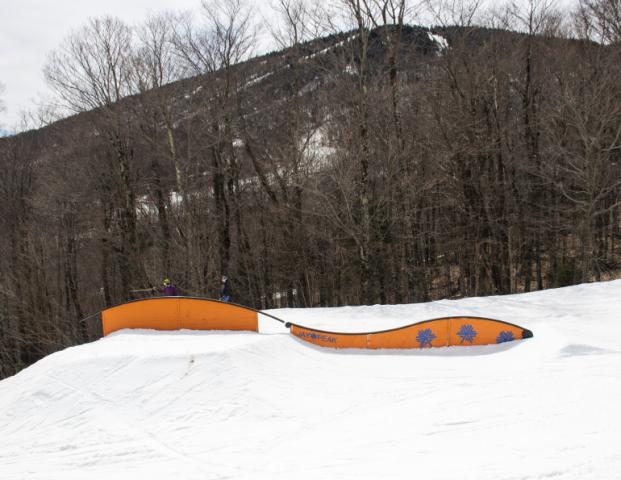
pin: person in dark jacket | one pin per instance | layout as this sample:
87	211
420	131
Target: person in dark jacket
168	289
225	291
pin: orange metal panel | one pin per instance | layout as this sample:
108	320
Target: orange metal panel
433	333
160	314
198	314
481	331
327	339
174	313
439	332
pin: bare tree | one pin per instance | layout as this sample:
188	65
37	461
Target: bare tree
600	20
447	13
299	21
224	39
362	24
389	18
583	160
93	69
219	44
156	65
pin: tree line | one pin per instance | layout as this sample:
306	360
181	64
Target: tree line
367	161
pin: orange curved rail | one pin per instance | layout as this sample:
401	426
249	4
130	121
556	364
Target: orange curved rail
176	313
438	332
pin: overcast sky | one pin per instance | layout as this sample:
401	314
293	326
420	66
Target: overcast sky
29	29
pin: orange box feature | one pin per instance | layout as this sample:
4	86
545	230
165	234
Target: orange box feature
176	313
427	334
330	339
484	331
439	332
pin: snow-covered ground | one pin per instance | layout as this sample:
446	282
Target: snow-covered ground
215	405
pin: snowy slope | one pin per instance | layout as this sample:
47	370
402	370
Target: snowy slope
207	405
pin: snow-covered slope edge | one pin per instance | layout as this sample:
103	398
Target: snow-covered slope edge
203	405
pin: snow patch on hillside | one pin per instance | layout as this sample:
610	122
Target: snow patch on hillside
439	40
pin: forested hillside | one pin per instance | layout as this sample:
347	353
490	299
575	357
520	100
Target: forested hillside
385	164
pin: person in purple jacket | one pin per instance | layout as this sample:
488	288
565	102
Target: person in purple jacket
168	289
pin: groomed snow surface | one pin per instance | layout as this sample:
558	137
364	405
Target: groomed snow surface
224	405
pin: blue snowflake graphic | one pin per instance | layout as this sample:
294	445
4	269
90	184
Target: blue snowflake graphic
467	333
425	337
505	337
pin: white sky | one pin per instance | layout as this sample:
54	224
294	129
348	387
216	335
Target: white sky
30	29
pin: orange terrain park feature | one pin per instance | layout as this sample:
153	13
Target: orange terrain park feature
439	332
178	313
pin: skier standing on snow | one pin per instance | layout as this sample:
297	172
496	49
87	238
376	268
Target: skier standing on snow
225	291
168	289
